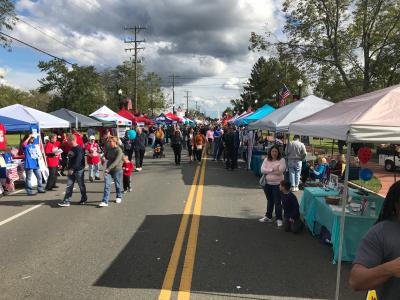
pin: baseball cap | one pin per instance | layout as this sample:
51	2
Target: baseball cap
92	137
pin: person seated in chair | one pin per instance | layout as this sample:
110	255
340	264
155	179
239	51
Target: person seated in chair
338	168
321	171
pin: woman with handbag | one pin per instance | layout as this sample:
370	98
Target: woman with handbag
273	169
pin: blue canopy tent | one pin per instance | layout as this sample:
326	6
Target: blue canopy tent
253	117
14	125
163	119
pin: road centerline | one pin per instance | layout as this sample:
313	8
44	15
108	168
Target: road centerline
190	256
169	278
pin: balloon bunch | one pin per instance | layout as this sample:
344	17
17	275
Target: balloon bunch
364	155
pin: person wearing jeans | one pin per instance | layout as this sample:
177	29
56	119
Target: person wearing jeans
31	164
295	154
92	150
139	145
113	171
76	172
272	168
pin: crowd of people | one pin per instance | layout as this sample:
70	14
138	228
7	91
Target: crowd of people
284	170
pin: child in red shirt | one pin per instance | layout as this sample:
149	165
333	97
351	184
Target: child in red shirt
127	168
92	150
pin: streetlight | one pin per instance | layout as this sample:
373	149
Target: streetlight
256	101
120	94
299	84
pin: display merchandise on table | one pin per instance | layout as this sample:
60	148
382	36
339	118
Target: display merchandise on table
362	212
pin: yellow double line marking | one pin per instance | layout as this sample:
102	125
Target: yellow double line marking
187	272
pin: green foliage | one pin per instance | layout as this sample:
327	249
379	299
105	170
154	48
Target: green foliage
150	96
346	47
10	95
79	89
83	89
267	79
7	20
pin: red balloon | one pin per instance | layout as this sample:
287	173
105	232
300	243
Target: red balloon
364	154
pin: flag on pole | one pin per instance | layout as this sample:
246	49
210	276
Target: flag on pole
283	95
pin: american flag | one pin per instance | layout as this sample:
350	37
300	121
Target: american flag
283	94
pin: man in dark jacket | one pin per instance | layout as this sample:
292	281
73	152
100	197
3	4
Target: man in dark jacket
139	145
228	140
76	172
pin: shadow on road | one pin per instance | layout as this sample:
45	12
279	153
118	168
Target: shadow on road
234	256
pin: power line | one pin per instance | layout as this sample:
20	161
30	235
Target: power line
136	48
33	47
41	30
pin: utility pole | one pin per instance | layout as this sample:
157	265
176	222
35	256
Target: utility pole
187	102
174	77
136	48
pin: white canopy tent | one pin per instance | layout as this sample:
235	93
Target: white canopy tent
109	117
280	119
372	118
31	115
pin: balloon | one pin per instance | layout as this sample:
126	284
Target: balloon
131	134
364	154
366	174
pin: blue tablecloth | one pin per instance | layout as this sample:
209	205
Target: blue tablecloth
255	164
316	212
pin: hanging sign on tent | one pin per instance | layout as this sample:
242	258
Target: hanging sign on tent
3	144
36	133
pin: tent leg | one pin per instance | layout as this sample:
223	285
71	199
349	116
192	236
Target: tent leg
342	221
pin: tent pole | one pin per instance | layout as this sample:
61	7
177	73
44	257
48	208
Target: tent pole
342	220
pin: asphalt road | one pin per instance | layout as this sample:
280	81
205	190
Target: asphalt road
134	249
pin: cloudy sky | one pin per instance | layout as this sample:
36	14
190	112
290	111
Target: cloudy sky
204	42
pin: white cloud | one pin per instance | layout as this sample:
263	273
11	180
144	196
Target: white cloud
196	39
20	79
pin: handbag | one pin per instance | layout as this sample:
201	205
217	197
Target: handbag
263	180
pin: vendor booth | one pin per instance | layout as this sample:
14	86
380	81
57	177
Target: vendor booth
11	165
111	119
369	118
173	117
162	119
255	116
76	119
33	116
237	121
280	119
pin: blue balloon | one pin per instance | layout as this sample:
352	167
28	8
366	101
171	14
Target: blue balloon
131	134
366	174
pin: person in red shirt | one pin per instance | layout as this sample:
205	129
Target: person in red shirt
53	158
65	147
79	139
92	150
127	168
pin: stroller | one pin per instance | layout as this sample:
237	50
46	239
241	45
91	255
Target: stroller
158	150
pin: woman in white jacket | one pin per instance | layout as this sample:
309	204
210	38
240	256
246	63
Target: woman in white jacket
273	168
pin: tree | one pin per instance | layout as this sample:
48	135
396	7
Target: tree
150	96
10	95
267	78
79	89
7	20
356	40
